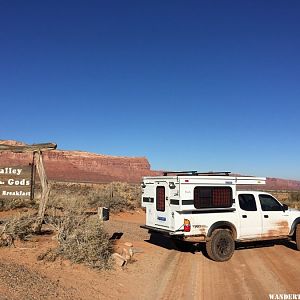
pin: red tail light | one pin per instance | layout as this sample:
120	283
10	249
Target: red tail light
187	225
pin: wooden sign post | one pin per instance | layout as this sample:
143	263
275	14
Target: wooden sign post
38	159
37	150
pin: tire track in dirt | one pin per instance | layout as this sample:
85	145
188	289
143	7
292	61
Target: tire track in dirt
250	274
282	262
166	271
179	285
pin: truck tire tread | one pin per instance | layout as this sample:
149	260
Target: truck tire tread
298	237
212	245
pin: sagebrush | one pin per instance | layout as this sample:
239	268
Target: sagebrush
294	199
117	196
21	227
7	204
81	239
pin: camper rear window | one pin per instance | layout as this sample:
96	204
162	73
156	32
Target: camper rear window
160	198
212	197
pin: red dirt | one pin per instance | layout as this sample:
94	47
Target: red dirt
160	272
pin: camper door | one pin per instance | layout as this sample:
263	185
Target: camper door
162	205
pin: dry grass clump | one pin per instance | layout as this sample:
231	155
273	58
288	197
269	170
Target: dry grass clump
81	239
290	198
117	196
20	227
7	204
294	199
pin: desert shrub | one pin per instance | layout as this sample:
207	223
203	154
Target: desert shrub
68	195
115	204
81	239
117	196
294	199
21	227
7	204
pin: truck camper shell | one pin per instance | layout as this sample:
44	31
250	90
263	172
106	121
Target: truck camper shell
180	188
170	197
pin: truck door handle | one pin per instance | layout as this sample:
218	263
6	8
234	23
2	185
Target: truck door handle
266	216
244	216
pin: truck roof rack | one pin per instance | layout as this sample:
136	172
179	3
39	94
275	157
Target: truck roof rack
195	173
181	173
224	173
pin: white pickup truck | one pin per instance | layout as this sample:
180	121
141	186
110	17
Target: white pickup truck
207	207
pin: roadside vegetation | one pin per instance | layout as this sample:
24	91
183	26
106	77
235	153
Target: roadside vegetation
117	196
291	198
71	216
20	227
81	239
294	200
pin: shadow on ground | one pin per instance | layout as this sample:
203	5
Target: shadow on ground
264	244
167	243
170	244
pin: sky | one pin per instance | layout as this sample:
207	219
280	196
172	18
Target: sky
191	85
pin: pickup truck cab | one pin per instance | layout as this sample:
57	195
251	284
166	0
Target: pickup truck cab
207	207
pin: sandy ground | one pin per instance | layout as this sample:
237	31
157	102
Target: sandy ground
158	272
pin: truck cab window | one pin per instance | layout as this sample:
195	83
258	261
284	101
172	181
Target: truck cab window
268	203
247	202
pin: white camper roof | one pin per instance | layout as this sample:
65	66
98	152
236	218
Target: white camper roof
207	178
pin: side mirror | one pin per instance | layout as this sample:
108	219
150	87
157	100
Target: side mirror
285	207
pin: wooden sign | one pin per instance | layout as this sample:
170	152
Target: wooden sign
16	182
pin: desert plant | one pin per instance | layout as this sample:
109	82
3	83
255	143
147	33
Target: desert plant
7	204
20	227
117	196
81	239
294	199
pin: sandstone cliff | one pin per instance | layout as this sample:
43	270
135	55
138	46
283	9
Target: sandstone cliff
80	166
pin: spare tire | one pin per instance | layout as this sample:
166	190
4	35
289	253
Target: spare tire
221	245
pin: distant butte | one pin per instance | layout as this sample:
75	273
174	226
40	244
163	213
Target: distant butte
80	166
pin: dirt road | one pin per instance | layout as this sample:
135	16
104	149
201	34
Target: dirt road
250	274
159	271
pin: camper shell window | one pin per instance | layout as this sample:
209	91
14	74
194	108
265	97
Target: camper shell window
212	197
160	198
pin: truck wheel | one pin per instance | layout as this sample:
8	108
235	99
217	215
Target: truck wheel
298	237
221	245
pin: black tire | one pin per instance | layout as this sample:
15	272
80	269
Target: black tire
298	237
221	245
